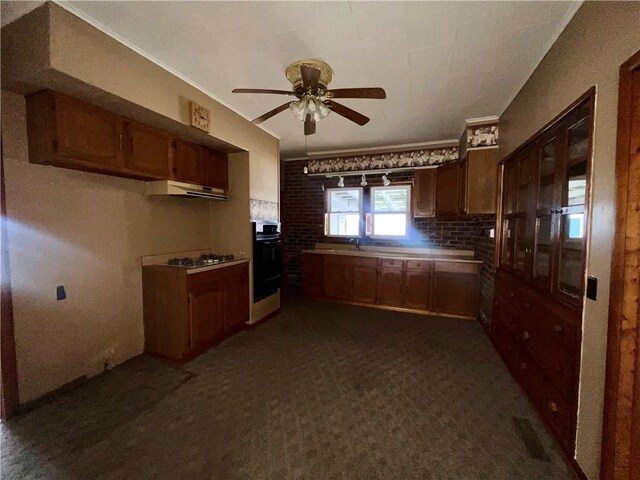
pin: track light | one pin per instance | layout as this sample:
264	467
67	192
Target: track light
341	182
363	182
385	181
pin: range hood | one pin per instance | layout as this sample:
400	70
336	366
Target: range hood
179	189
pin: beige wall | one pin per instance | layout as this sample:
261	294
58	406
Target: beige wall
87	231
600	37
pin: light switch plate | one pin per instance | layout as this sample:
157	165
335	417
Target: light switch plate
200	117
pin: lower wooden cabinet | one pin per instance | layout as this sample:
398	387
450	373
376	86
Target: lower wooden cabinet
539	340
446	287
391	287
455	287
187	313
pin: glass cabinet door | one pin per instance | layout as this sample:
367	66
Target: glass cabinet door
546	174
520	243
543	250
506	253
572	214
510	187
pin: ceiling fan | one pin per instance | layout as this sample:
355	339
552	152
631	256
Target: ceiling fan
310	79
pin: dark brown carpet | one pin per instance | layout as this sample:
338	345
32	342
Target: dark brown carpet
319	392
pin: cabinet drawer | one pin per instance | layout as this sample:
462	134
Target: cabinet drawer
418	264
456	267
363	262
506	315
391	263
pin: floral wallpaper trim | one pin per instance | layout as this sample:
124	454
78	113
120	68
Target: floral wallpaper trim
384	161
482	135
261	210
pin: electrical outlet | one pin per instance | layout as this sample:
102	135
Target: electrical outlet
60	293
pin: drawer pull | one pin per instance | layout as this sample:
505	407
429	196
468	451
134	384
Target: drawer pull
557	328
511	294
525	335
523	366
527	305
553	406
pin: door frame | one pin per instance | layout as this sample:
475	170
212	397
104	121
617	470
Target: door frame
9	400
620	457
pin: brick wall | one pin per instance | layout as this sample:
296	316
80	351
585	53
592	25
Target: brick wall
302	216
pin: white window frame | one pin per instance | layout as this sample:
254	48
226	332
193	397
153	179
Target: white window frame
327	226
370	228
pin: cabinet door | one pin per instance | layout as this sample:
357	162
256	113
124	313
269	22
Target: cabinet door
418	289
424	193
312	275
364	282
447	195
463	175
456	288
217	166
87	134
149	151
336	278
390	287
236	297
481	181
207	314
190	163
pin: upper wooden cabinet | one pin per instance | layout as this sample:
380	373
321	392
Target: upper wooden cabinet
478	182
217	168
190	163
424	193
66	132
149	151
447	191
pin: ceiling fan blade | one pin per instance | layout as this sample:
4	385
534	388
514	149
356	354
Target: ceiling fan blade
310	76
309	125
262	90
271	113
346	112
374	92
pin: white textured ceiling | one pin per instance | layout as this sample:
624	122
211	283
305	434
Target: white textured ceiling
440	62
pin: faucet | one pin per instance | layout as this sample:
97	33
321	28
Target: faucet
356	241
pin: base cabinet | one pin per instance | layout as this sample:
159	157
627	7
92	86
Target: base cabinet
186	314
539	340
446	287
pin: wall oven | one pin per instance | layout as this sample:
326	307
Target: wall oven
267	258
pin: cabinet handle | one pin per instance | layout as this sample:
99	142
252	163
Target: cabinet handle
523	366
525	335
553	406
527	305
557	328
120	140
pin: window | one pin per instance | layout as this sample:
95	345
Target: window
344	212
390	211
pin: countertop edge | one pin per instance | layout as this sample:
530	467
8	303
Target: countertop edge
350	253
191	271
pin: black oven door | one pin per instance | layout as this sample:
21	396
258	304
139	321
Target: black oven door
267	257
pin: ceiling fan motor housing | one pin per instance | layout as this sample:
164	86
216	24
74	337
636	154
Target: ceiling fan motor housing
294	75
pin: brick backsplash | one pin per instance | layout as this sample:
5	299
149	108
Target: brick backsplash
302	216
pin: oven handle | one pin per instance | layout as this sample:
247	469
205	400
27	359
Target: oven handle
268	243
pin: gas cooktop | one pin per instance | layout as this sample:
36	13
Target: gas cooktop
203	260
